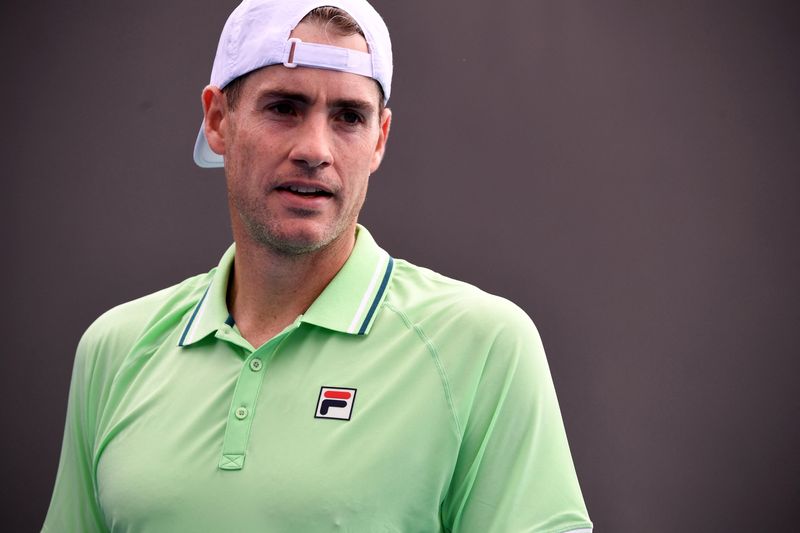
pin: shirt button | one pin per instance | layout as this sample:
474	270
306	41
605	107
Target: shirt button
255	365
241	413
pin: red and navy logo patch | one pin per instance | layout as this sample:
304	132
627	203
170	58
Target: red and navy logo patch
335	403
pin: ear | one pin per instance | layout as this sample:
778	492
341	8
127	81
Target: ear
215	111
380	147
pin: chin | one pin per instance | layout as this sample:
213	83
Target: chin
298	240
295	236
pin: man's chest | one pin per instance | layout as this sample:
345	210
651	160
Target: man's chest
306	435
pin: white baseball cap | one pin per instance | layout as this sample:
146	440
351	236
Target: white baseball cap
257	34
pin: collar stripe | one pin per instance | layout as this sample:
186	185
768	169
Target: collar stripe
363	304
378	296
194	316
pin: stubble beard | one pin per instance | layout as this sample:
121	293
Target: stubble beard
267	231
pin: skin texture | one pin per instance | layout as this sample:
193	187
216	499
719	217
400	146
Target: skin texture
301	127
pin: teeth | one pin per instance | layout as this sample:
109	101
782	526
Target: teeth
305	190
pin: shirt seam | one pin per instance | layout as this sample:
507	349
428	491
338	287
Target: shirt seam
573	527
434	353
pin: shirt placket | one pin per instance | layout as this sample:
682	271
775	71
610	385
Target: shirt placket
245	395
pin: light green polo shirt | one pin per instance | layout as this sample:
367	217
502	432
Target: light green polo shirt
401	401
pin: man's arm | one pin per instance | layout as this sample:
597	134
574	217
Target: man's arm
514	471
73	506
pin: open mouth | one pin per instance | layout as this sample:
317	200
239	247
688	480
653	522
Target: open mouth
305	191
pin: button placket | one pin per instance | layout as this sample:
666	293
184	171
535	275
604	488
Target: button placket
242	411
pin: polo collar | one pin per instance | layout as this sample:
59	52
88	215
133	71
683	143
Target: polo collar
349	304
211	312
351	300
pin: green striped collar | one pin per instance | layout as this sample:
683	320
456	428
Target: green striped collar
348	304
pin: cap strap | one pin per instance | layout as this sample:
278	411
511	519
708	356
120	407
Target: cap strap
298	53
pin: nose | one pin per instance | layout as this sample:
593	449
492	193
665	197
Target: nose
312	147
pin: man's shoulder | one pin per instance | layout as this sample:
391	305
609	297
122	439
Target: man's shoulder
153	314
469	332
426	296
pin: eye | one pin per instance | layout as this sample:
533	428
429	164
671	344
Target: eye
282	108
351	117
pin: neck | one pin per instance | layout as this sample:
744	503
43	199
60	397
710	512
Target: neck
269	290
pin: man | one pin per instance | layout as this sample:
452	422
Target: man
310	382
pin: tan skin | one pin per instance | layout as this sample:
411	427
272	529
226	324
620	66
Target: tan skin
299	148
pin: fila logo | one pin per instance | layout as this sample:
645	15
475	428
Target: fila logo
335	403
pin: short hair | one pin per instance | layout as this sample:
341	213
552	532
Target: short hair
328	17
333	17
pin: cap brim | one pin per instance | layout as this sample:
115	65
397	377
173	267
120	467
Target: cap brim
203	155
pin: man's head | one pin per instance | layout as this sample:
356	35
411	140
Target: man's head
257	34
332	19
300	138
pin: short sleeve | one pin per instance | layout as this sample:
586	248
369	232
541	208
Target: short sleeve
73	506
514	471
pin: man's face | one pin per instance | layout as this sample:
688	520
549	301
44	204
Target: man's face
299	147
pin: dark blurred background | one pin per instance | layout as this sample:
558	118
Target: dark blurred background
626	171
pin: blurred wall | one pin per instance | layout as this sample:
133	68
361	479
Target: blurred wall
625	171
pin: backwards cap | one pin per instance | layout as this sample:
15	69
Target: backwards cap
257	34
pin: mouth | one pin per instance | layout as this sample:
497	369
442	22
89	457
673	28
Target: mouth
305	191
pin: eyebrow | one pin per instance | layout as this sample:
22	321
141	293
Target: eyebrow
361	105
280	94
351	103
